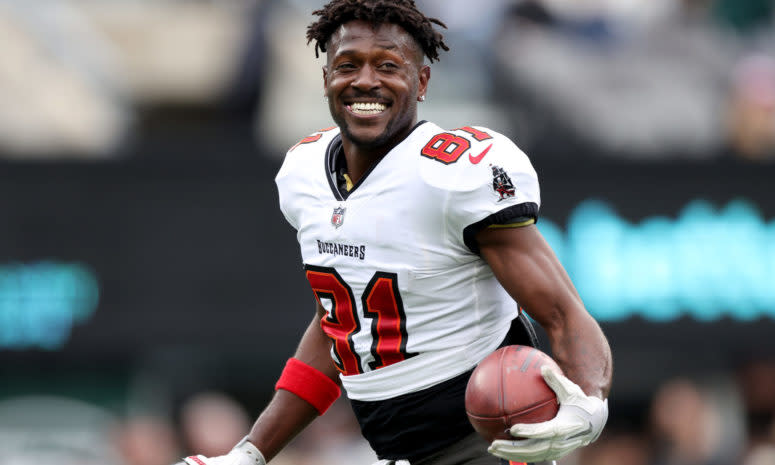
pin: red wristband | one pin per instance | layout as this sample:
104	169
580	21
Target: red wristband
308	383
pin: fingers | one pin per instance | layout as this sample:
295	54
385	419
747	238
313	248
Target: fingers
560	384
545	430
578	422
531	450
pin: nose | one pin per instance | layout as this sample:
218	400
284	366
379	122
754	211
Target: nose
366	79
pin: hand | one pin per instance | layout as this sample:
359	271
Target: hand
579	421
244	453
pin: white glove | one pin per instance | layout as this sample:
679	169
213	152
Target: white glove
579	421
244	453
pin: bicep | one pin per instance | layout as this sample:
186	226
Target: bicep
525	265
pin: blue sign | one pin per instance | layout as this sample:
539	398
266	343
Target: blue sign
40	303
706	263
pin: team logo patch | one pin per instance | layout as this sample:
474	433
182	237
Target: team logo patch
501	183
337	218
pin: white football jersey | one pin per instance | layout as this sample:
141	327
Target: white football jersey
409	301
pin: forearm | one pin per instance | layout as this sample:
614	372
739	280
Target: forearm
577	341
285	417
582	351
287	414
528	269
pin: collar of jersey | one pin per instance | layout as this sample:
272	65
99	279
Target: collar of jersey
336	166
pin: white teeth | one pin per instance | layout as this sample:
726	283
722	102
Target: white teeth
367	108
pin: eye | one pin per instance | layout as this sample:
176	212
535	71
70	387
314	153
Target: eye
387	65
345	66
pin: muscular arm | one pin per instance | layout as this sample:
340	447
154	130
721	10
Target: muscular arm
528	269
287	414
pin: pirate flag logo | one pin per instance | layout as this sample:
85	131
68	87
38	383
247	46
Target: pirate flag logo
501	183
337	218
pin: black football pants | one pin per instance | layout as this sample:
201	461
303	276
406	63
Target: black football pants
471	450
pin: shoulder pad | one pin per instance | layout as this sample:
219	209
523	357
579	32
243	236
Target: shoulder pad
300	157
311	147
461	159
315	139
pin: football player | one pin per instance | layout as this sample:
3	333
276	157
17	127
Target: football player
416	242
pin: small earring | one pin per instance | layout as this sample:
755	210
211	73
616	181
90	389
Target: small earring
421	98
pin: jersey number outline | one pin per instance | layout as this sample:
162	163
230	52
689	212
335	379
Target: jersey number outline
447	148
381	301
310	139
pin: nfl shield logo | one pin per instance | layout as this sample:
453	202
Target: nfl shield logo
338	217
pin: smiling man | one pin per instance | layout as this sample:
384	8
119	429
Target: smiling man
373	78
417	242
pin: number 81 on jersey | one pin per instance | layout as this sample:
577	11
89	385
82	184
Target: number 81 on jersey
380	302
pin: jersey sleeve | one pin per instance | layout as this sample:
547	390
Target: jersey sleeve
501	189
302	168
285	184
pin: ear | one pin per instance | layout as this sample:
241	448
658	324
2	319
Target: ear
325	79
424	77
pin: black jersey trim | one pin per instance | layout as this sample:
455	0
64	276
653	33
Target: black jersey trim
334	154
332	151
525	211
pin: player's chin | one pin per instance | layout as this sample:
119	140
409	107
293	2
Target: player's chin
367	126
368	137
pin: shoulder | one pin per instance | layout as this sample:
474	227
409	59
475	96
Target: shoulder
463	158
302	173
305	152
312	141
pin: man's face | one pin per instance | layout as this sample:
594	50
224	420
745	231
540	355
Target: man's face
373	77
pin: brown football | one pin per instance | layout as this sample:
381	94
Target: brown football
507	388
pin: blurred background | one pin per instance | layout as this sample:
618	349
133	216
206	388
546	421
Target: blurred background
150	290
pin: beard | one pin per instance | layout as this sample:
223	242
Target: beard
371	143
394	131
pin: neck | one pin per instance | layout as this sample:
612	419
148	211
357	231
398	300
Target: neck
361	157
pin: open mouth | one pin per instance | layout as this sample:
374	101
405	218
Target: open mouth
367	109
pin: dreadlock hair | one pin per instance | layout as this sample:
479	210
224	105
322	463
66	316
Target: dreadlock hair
401	12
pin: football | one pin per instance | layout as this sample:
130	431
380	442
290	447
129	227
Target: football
507	388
